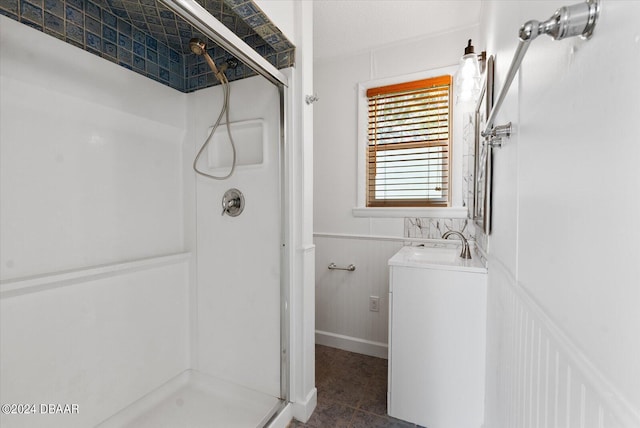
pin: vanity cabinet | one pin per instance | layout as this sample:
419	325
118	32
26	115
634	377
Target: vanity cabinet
437	343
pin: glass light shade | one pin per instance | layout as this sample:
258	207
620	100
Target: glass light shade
468	78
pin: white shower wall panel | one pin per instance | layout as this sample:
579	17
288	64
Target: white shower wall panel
90	166
238	291
90	184
96	342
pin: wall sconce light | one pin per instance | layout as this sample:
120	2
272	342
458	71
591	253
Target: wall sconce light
468	76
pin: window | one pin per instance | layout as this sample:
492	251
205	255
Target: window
409	141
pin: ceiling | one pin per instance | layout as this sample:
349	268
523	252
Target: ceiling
344	27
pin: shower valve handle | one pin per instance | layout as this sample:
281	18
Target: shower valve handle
232	203
227	204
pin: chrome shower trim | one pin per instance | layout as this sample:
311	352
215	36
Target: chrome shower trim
210	27
286	244
232	203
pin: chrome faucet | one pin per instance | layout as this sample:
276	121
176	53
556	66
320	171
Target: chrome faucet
465	253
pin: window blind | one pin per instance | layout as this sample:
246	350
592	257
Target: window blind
409	141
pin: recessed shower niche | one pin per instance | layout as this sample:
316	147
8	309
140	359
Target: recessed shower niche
249	137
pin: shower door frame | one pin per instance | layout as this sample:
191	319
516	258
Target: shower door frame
197	16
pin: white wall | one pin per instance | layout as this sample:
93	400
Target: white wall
302	295
343	319
566	200
335	151
340	236
90	184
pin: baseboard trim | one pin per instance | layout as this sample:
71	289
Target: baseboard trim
302	410
352	344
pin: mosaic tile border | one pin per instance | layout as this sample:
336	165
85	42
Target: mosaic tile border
91	26
260	23
151	40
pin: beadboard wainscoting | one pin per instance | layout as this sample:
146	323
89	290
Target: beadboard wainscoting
536	376
343	318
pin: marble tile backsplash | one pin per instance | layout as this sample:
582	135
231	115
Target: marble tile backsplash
434	228
468	161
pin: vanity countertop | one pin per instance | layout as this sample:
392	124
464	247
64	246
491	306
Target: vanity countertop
436	256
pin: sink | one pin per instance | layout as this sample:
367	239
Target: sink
447	255
436	256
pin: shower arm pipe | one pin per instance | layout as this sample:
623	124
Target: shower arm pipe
568	21
198	16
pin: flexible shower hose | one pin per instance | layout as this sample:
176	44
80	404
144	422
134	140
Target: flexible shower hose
224	112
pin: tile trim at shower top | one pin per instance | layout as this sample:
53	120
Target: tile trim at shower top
149	39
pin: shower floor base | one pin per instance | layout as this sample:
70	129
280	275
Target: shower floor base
196	400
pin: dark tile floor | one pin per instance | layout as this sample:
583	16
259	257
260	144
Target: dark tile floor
352	392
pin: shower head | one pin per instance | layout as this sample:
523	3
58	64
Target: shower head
197	46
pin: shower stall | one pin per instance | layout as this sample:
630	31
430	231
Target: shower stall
133	293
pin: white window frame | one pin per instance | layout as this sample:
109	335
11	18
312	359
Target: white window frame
456	210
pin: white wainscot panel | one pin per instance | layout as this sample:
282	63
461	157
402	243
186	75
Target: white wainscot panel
536	376
343	318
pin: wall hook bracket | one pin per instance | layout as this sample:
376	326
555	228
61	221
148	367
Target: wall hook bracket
496	134
310	99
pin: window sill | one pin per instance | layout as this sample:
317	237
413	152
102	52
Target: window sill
448	212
